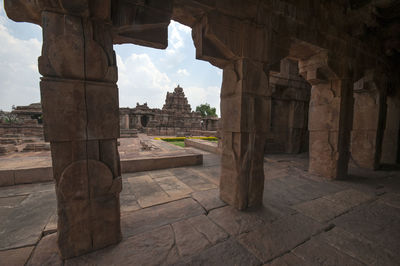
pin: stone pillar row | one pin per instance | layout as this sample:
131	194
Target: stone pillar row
81	121
369	120
245	105
330	115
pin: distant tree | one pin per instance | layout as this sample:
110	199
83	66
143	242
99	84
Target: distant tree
8	117
206	110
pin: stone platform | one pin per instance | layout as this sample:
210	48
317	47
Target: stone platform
204	145
175	217
137	154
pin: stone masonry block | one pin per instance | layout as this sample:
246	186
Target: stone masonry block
64	109
102	110
324	117
78	105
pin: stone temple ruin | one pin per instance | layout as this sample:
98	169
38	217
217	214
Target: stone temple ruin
176	118
344	110
23	131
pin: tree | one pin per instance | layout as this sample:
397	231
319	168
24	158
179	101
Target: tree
206	110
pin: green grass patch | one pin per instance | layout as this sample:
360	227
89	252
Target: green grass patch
178	143
183	138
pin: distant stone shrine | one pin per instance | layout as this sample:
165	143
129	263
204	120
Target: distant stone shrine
176	118
22	130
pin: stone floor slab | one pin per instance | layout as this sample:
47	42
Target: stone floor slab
226	253
233	221
46	252
147	219
155	247
376	222
321	209
316	252
288	259
188	240
349	198
15	257
358	247
196	182
173	186
10	202
213	233
24	224
391	199
275	239
209	199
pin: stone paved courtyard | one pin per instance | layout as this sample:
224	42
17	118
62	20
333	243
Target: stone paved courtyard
174	216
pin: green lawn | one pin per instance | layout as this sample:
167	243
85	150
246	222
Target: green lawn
178	143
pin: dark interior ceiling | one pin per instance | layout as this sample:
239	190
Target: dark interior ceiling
381	20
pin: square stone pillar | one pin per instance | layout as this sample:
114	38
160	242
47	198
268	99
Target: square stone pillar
245	105
368	123
329	124
330	115
390	145
81	121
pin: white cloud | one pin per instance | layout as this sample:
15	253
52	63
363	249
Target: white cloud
183	28
198	95
139	80
183	72
177	34
175	38
19	75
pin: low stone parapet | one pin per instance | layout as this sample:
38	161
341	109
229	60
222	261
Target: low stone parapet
204	145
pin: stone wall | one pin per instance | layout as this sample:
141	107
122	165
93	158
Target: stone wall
289	110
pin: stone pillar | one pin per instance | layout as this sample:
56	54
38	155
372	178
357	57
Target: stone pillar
81	121
330	115
124	121
245	101
246	53
390	145
368	122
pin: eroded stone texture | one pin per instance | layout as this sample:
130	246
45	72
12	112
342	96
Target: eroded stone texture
368	121
390	145
330	115
80	111
244	104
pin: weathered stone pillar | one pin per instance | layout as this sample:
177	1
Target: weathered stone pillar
81	118
81	121
246	53
124	121
368	122
390	145
330	115
245	101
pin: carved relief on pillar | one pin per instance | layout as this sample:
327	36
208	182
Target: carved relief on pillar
330	114
81	118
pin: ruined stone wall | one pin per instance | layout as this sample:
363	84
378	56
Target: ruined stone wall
26	130
175	118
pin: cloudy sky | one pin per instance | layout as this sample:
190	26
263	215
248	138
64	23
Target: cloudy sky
145	74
